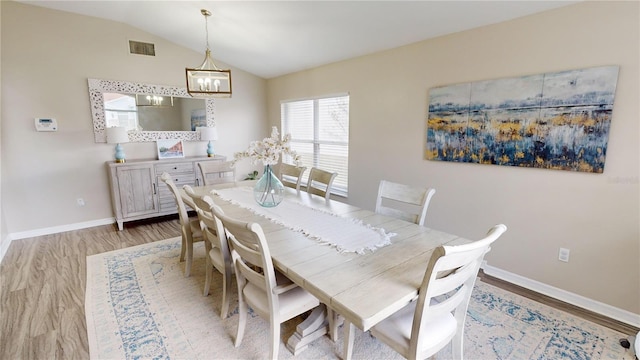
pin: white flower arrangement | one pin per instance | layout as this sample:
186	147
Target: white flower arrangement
268	150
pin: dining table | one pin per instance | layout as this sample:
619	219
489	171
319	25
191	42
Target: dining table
360	265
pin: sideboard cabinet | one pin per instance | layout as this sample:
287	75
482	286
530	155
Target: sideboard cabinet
137	192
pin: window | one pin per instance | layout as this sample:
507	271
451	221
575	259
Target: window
120	110
319	131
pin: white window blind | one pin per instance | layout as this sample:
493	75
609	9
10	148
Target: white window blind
319	131
121	110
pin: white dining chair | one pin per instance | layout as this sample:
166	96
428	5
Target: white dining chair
189	227
436	318
291	175
217	172
404	201
320	182
268	292
216	246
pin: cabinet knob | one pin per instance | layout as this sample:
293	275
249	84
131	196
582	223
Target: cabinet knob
175	168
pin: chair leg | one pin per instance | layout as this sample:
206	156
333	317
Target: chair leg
242	311
208	275
348	340
183	248
456	345
275	338
242	320
187	267
226	295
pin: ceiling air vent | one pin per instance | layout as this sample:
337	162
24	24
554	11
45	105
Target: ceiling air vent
142	48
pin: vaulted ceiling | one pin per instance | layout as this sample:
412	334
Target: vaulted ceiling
272	38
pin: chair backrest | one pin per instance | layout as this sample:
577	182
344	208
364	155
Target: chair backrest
320	182
291	176
217	172
198	200
182	210
252	259
403	201
213	230
450	275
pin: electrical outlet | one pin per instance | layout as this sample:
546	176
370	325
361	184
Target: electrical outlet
563	255
80	201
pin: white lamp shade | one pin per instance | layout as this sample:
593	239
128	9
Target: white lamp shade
208	133
117	135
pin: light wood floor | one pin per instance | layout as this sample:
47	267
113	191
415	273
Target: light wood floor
43	280
42	286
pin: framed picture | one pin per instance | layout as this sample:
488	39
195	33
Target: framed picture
557	120
169	149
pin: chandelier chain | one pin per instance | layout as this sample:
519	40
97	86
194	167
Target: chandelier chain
206	29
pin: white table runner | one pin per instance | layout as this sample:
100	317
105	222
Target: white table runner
345	234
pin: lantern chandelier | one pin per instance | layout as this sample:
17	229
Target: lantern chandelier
207	80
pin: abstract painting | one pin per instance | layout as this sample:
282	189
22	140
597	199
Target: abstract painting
553	121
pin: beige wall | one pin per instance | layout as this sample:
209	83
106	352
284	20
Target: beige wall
594	215
47	57
4	238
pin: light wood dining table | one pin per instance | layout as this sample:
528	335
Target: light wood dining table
363	288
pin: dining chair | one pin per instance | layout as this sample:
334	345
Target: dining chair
216	246
189	227
291	175
218	255
267	291
217	172
436	318
320	182
404	201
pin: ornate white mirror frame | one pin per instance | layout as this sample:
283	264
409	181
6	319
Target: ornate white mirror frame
98	86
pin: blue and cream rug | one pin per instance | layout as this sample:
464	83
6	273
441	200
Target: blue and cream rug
139	305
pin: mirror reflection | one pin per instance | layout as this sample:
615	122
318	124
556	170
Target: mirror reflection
187	112
141	112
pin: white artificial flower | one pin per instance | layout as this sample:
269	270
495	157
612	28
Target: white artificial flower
269	150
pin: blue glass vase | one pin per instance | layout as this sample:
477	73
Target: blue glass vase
268	191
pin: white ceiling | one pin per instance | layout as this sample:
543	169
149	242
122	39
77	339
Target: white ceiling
272	38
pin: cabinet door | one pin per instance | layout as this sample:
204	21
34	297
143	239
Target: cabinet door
137	190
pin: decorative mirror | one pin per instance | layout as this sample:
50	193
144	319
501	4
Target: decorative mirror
151	112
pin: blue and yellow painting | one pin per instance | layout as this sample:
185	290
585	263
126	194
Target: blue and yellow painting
552	121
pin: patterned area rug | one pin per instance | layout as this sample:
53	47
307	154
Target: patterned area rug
139	305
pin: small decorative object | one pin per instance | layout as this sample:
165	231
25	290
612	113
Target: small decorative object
169	148
118	135
252	175
211	134
268	191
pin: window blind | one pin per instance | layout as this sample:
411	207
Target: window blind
319	131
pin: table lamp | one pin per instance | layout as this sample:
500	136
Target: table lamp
118	135
210	134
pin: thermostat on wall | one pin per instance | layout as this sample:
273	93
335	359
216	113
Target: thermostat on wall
44	124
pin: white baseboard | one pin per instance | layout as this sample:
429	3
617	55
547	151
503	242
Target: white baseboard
51	230
59	229
4	247
566	296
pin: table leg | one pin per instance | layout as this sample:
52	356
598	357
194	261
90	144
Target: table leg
313	327
348	340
